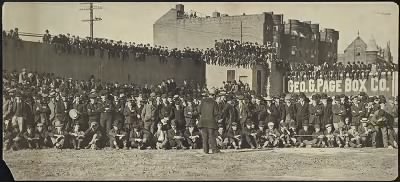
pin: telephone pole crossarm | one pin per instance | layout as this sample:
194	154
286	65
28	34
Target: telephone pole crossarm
91	20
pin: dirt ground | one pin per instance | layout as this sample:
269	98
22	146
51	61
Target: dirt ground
272	164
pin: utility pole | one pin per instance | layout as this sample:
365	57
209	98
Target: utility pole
91	20
241	31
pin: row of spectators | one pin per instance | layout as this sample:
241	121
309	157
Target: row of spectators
225	52
354	70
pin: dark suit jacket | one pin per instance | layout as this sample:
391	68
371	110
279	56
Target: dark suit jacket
289	110
302	113
208	112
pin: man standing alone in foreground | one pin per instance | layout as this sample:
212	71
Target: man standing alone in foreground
208	122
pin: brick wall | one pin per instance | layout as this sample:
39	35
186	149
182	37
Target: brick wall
202	32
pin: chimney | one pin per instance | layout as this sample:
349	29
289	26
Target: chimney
180	7
216	14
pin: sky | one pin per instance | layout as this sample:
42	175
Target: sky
133	21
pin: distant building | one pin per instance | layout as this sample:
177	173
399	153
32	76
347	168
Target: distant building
359	51
295	41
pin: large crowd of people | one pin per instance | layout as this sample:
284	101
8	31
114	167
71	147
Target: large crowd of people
336	71
42	110
225	52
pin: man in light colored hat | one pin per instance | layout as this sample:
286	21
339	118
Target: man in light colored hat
330	136
272	136
208	123
58	135
365	132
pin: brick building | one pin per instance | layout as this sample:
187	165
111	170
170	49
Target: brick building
295	41
359	51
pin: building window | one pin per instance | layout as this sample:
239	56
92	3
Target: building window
358	51
276	28
230	75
